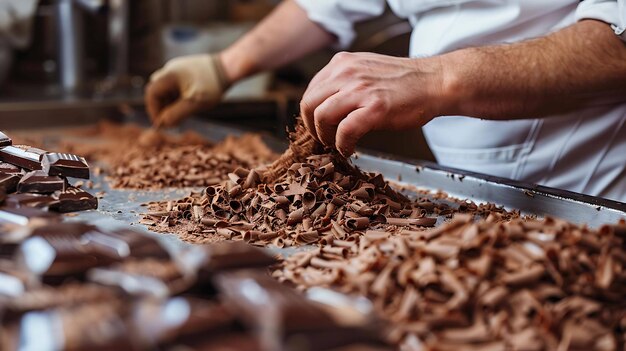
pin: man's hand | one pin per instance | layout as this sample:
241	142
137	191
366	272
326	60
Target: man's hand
360	92
184	86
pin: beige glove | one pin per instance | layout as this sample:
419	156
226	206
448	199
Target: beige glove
184	86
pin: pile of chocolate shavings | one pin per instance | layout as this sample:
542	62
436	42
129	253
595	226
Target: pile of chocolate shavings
148	159
486	285
307	196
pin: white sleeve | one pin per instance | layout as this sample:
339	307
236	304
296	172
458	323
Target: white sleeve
338	16
612	12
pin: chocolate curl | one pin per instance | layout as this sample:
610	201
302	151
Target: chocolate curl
268	236
252	235
365	192
423	222
337	231
326	170
307	237
307	224
359	223
374	235
252	179
295	216
308	200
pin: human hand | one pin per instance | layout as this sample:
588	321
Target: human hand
184	86
360	92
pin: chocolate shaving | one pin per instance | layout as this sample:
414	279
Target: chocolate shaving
497	294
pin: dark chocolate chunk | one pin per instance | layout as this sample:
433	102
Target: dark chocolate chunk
124	243
10	169
5	140
154	323
75	229
29	200
224	256
66	165
66	295
9	182
96	326
41	183
14	282
145	277
56	257
26	215
22	156
73	200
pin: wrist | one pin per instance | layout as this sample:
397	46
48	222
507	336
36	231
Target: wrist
235	66
454	88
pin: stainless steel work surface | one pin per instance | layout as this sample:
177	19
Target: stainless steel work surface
123	207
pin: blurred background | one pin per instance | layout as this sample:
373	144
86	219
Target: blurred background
82	60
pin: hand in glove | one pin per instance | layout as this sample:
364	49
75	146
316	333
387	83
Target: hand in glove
184	86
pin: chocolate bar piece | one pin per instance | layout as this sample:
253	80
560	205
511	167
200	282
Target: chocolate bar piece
29	200
154	323
5	140
145	277
285	318
74	229
66	165
14	282
124	243
9	182
218	257
25	216
66	295
10	169
99	326
57	257
41	183
23	156
73	200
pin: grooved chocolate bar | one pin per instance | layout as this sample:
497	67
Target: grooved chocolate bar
10	169
66	165
5	140
9	182
73	200
25	216
24	156
29	200
41	183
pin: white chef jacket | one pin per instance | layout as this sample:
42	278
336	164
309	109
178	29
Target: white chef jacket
584	151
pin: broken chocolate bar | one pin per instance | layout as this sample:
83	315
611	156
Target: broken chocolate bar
99	326
224	256
145	277
27	216
66	165
29	200
57	257
73	200
285	317
124	243
154	322
66	295
5	140
10	169
23	156
9	182
41	183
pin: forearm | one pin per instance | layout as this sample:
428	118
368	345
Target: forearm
284	36
579	66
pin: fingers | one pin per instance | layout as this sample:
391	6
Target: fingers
330	113
176	112
159	93
351	129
